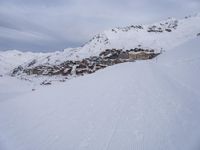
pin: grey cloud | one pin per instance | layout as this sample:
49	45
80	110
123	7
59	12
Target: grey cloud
54	25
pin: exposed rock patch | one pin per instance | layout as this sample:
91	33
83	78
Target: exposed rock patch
45	83
126	29
89	65
164	27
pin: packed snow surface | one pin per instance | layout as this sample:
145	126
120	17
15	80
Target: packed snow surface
145	105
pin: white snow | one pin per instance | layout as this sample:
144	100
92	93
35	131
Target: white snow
145	105
13	58
11	87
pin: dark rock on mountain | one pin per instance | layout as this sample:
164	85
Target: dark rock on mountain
126	29
17	70
168	30
89	65
32	63
167	26
46	82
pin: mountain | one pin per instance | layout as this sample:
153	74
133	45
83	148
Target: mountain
157	38
145	105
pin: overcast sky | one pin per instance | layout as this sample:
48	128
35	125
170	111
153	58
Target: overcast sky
49	25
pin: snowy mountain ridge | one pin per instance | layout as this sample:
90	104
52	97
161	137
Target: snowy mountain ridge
163	35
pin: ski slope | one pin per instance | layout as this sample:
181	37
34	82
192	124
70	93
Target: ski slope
145	105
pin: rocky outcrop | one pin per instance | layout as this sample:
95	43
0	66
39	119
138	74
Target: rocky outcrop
46	82
164	27
126	29
89	65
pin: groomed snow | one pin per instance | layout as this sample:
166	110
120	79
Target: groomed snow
145	105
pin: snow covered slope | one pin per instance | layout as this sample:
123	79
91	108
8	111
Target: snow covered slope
11	59
145	105
163	35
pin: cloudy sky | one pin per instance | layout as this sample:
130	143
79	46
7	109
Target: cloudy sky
49	25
